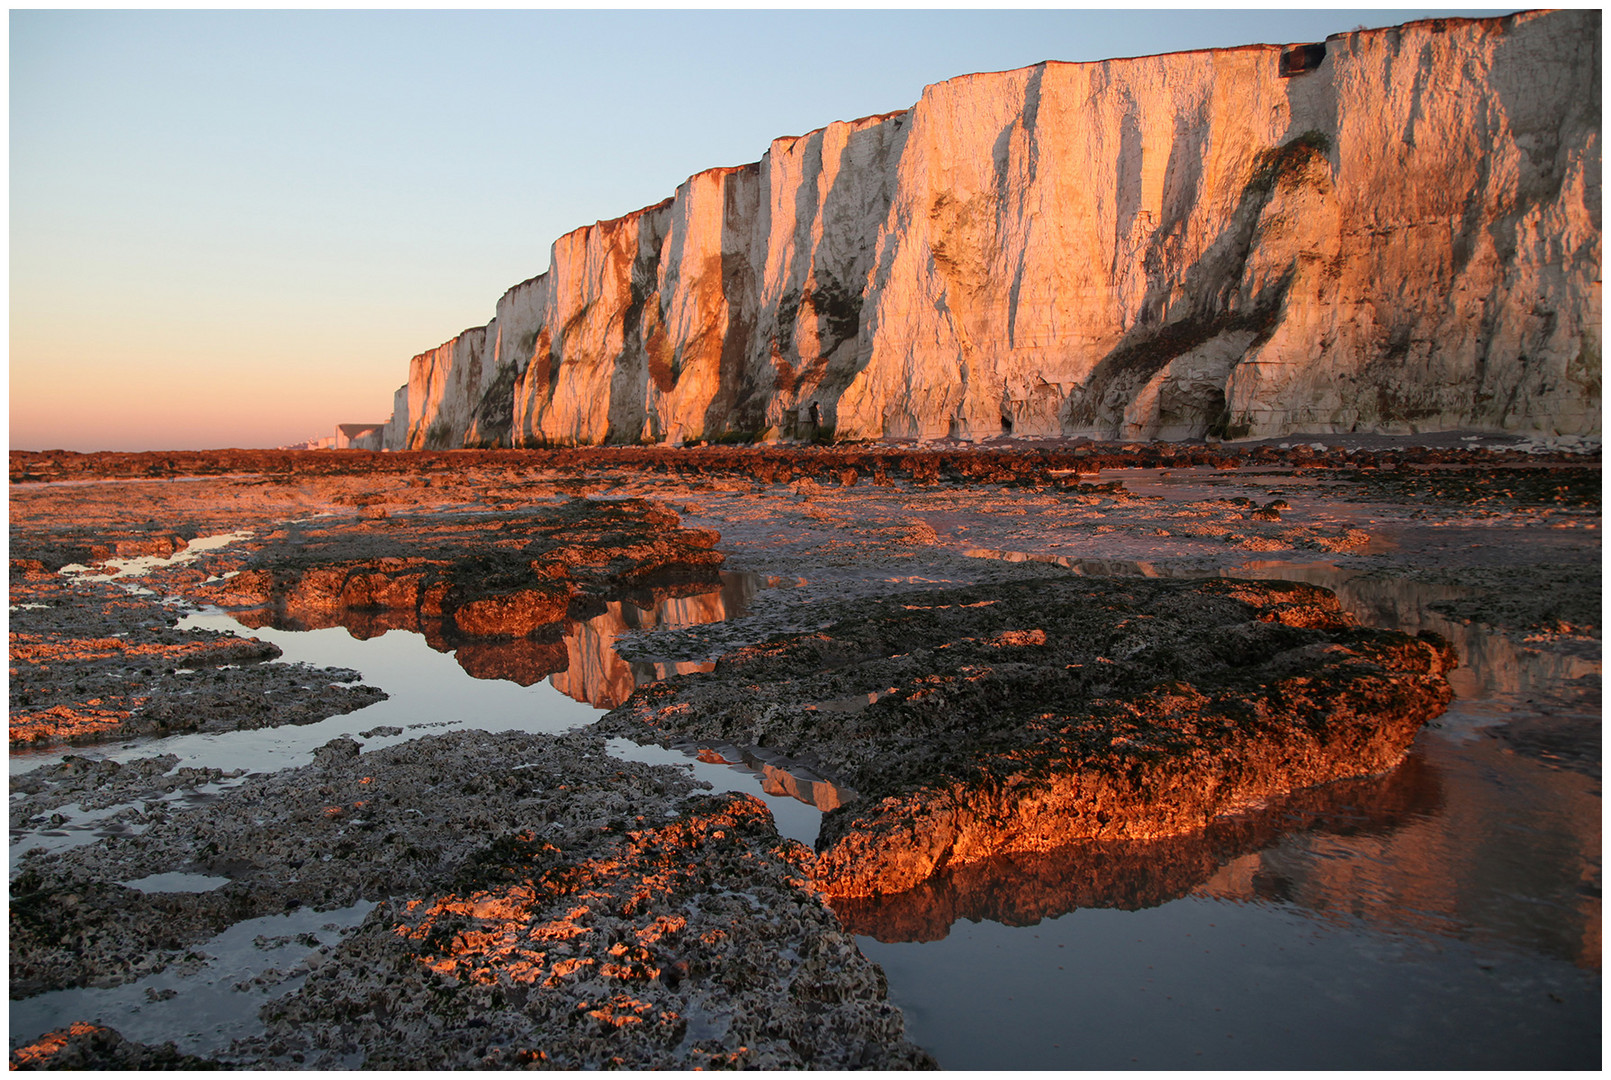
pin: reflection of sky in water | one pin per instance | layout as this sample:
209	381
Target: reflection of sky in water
1210	984
795	819
202	1008
430	694
426	687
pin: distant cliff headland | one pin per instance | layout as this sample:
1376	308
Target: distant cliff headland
1393	231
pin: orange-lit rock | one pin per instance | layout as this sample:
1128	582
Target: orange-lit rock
1022	888
82	1046
513	614
486	579
1140	709
544	902
1403	238
90	662
629	935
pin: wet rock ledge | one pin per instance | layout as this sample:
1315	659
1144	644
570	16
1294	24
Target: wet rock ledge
1024	717
469	576
541	904
90	661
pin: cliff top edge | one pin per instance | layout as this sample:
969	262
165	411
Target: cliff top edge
1499	21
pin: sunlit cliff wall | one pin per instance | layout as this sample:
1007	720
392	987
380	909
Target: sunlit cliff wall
444	387
1404	237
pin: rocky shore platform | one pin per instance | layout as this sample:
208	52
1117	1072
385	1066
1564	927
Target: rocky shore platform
1019	681
1025	717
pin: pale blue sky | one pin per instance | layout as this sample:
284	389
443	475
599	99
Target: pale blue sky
235	228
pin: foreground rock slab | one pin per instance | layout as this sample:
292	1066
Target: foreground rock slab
1023	717
542	903
91	1046
694	943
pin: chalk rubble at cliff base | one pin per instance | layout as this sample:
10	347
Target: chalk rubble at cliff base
1022	717
545	904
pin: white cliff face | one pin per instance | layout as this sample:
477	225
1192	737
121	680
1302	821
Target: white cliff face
444	387
1404	238
394	436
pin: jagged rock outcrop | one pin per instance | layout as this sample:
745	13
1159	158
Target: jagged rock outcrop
1024	717
1395	231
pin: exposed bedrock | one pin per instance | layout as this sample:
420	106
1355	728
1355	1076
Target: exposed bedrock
543	903
1404	237
469	577
1023	717
91	661
1022	888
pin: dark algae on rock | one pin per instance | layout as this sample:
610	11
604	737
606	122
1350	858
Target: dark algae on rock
471	576
1022	717
686	943
83	1046
91	662
542	904
996	731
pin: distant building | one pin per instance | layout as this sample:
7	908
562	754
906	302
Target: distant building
326	443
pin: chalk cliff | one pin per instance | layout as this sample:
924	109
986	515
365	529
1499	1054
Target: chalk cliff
1397	230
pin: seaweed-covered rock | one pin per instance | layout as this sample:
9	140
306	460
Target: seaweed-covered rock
471	576
1022	717
691	943
81	1046
90	662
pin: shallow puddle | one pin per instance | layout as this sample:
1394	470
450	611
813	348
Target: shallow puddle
208	999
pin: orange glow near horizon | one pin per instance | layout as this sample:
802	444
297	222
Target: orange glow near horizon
77	392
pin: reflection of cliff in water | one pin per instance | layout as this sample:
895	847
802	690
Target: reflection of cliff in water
1491	662
1416	851
579	657
1023	888
1530	882
778	773
595	673
1406	852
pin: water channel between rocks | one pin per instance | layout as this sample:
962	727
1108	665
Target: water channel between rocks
1446	916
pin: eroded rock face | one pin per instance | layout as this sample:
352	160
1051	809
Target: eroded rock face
1022	888
1404	237
1025	717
